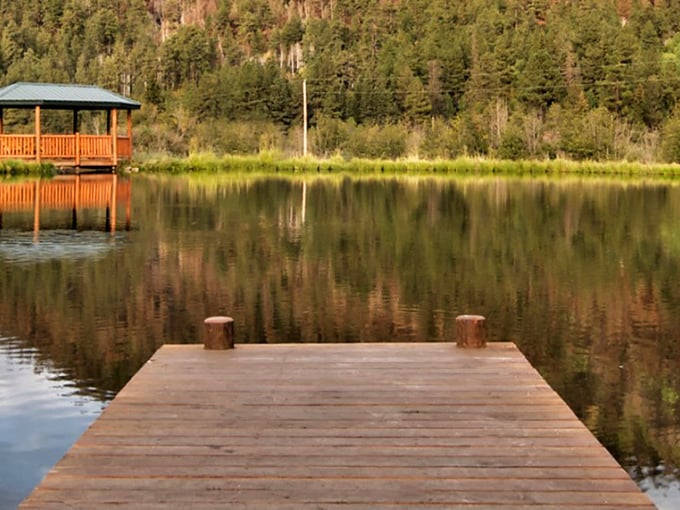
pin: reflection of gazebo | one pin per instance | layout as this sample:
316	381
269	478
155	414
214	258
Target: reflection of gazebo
74	192
68	150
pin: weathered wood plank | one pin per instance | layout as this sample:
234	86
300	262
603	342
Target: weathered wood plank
470	426
422	441
338	426
124	462
339	414
328	506
321	492
224	448
286	482
166	468
161	428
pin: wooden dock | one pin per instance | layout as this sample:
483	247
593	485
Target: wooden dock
340	426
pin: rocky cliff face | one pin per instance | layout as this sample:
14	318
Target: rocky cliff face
169	14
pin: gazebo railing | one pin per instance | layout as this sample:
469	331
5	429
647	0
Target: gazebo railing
17	146
57	146
65	148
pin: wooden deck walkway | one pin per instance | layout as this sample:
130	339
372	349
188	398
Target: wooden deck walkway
336	427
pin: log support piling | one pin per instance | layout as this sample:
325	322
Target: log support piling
219	333
471	331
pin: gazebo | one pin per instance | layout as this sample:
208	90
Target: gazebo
67	150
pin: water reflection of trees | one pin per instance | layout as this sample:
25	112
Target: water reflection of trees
582	275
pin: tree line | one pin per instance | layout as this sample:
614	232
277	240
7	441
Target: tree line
588	79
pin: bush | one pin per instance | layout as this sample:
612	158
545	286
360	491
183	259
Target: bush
589	136
329	136
670	139
377	142
435	141
239	137
513	145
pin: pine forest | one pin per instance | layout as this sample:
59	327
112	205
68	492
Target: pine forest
509	79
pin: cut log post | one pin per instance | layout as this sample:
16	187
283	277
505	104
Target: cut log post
219	333
471	331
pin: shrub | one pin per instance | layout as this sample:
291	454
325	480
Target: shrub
670	139
329	136
377	142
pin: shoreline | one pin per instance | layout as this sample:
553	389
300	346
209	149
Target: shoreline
268	163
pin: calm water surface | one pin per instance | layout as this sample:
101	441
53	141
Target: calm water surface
583	275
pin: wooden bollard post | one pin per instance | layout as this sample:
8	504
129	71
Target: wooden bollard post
471	331
219	333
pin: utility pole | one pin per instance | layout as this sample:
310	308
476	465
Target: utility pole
304	117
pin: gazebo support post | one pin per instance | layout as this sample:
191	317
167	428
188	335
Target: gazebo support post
37	134
114	136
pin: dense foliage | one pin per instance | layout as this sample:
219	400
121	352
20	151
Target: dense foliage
589	79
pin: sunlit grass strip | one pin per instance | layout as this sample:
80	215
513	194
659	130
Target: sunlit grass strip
12	168
272	163
207	184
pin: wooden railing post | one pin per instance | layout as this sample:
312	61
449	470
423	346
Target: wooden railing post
219	333
471	331
114	136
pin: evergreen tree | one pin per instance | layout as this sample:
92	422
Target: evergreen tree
540	82
618	84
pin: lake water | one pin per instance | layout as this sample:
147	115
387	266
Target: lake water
584	275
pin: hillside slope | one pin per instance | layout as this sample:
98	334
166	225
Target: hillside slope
438	78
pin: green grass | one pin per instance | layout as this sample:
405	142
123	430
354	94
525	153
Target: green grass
12	168
274	163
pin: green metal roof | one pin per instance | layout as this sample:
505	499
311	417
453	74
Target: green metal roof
62	96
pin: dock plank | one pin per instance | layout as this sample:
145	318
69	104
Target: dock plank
338	426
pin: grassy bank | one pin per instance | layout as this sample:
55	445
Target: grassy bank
269	163
11	168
